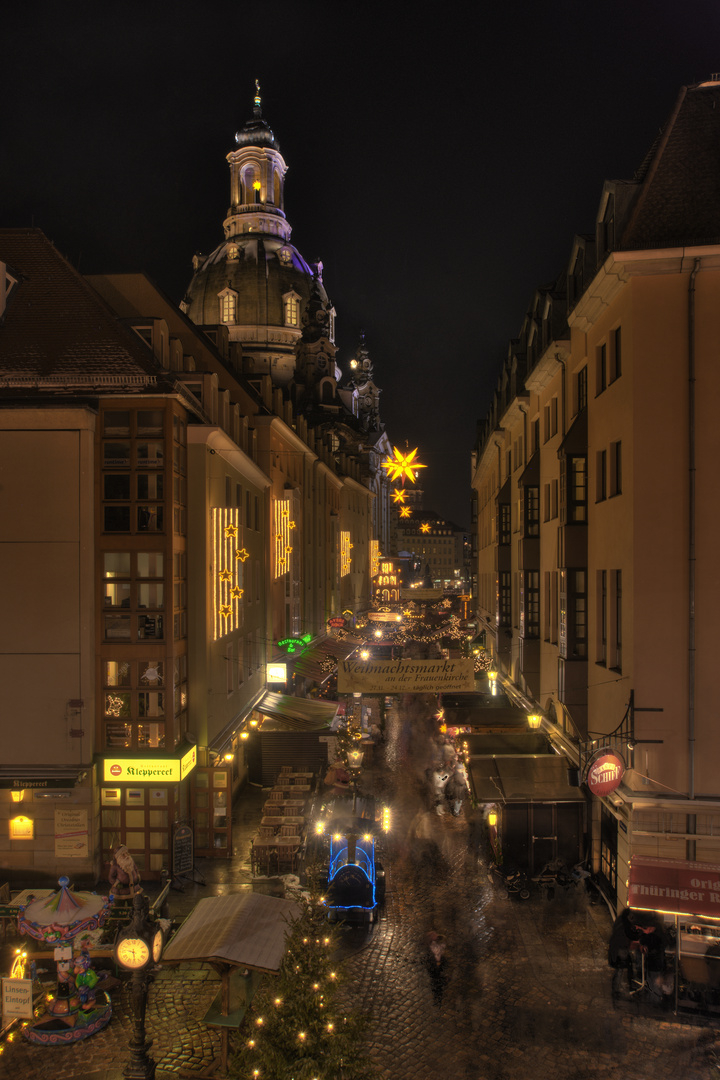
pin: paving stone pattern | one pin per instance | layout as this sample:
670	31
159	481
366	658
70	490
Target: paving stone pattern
528	992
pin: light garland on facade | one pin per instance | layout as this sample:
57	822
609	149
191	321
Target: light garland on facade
283	536
345	557
227	571
374	557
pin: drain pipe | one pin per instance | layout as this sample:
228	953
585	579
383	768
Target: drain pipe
691	539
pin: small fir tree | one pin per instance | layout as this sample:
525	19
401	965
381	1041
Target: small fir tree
295	1028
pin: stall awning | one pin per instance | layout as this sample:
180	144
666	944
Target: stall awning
541	779
39	777
690	888
312	664
297	714
245	930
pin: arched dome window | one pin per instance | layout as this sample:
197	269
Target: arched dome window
277	191
228	306
291	307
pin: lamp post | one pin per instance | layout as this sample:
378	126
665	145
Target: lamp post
534	721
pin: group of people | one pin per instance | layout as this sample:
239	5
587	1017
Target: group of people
448	779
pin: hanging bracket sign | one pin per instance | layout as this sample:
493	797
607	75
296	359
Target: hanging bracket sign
605	773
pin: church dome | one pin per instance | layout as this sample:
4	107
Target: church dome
256	282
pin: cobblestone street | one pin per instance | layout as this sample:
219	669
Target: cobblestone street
528	988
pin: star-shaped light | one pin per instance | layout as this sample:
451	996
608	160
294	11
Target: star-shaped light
237	592
402	465
405	512
425	527
226	610
399	495
242	554
291	524
231	530
225	575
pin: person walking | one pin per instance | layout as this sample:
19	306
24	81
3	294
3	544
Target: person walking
456	789
436	963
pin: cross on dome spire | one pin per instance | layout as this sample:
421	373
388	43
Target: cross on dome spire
257	104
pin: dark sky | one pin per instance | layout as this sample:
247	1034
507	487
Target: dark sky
439	164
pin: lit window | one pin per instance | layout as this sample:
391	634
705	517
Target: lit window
228	301
292	309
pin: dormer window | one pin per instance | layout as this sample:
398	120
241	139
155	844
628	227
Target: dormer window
232	251
291	305
228	306
285	256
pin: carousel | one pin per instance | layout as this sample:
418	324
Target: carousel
68	922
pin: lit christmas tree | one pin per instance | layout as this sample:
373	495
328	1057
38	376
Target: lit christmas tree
295	1028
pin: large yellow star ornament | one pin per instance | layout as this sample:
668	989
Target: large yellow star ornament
402	466
425	527
405	512
399	495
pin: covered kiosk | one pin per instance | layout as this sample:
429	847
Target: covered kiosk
542	815
242	937
289	729
688	893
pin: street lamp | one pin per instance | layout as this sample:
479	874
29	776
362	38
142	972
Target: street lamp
364	654
137	947
534	721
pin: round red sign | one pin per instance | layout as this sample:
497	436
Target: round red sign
605	774
115	770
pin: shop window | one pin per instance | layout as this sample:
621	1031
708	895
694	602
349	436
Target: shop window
116	422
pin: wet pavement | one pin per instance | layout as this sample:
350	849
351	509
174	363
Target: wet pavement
528	988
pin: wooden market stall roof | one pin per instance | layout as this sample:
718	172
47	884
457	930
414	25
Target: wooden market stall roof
244	930
297	714
529	778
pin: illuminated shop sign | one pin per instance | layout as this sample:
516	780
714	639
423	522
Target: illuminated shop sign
277	672
605	774
149	770
295	644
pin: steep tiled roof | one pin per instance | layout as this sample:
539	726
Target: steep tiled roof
679	202
56	328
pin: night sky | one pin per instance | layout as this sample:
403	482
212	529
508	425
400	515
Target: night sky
439	164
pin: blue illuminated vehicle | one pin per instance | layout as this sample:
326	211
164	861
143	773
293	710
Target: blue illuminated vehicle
352	879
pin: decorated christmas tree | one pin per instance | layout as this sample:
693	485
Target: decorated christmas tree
296	1029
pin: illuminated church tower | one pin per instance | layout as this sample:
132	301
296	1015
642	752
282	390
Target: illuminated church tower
256	283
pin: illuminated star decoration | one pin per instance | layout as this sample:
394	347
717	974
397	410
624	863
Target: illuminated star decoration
402	466
231	530
399	495
425	527
405	512
236	592
242	554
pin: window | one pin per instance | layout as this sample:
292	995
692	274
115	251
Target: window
532	511
601	651
504	526
601	475
228	304
504	599
134	703
292	309
576	488
616	355
535	436
530	608
616	622
577	644
615	468
601	354
581	389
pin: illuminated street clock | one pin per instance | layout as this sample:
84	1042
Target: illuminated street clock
140	942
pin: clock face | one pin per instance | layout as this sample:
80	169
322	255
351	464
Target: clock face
133	953
157	946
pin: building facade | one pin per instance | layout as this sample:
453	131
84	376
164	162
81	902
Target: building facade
595	495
